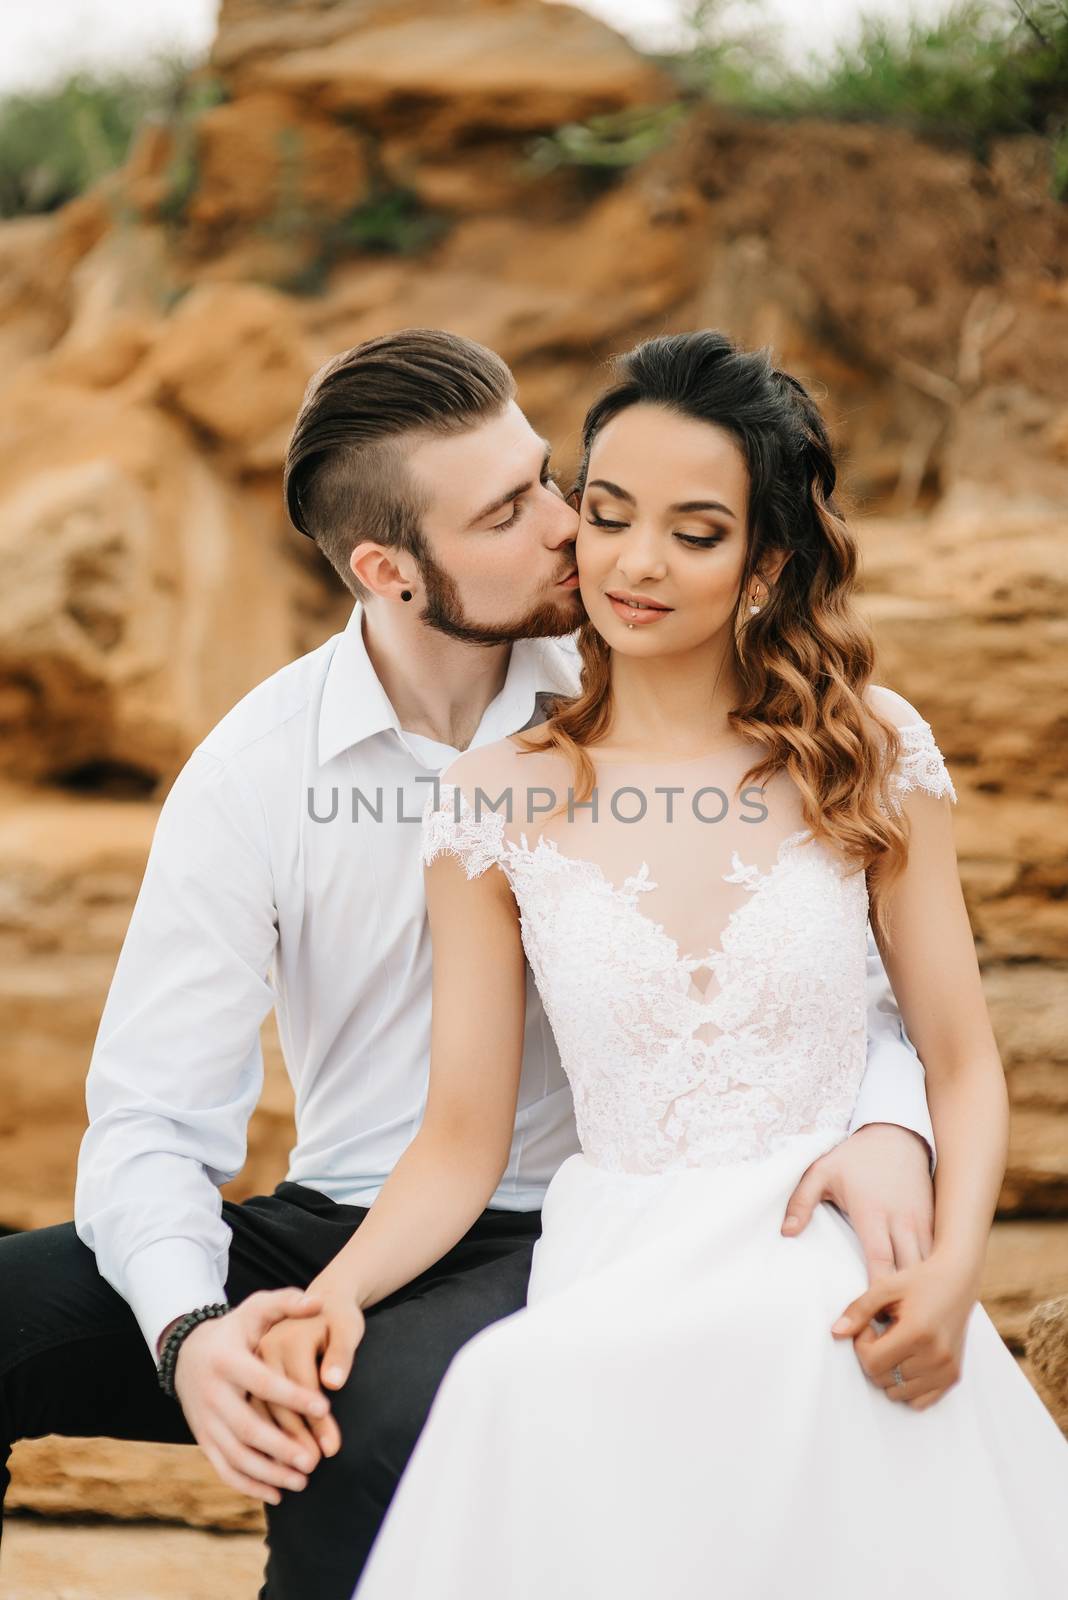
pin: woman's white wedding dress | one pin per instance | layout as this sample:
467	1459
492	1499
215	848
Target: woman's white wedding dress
670	1414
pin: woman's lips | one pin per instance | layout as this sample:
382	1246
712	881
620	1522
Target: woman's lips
636	613
571	582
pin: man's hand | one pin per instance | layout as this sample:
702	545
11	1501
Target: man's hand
313	1350
222	1385
928	1306
881	1180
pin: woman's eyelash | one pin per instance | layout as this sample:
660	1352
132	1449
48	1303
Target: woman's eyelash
687	538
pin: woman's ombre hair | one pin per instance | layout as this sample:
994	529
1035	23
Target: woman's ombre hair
804	660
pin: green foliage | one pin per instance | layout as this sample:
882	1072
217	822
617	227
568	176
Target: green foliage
978	73
983	70
390	220
56	142
722	59
196	96
607	144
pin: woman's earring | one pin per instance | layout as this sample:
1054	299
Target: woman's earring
406	594
753	609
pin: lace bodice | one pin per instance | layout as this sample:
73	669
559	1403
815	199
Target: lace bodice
702	1015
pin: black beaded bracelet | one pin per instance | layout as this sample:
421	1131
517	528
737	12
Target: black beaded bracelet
182	1328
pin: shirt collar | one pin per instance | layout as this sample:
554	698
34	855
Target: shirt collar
355	706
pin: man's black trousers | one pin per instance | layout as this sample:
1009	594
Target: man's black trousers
73	1362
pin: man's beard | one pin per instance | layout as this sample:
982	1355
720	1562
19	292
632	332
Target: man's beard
444	610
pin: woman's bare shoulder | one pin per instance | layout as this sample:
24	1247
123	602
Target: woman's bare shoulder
485	764
887	703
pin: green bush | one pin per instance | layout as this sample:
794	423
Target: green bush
389	220
56	142
195	95
984	70
606	144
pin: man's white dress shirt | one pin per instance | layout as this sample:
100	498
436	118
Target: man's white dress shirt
262	890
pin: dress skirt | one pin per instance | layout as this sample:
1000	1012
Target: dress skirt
670	1416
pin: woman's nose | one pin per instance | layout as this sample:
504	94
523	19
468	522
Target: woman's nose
641	558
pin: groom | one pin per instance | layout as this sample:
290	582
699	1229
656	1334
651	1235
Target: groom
286	873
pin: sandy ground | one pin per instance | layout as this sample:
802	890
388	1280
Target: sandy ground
63	1561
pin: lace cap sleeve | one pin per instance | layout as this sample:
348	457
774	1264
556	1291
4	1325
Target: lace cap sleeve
452	826
920	764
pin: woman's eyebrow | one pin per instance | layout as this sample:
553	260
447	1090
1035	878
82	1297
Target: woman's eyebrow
613	488
683	506
702	505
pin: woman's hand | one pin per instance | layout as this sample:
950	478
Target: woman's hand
223	1388
321	1348
928	1305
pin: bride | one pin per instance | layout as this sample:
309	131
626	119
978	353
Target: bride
687	855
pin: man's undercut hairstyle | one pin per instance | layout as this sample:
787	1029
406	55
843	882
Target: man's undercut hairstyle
346	475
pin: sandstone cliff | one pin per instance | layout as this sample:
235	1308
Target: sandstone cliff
364	165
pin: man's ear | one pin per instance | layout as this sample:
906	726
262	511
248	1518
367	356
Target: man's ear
373	566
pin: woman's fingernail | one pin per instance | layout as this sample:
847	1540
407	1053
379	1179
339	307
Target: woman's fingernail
841	1325
790	1225
334	1375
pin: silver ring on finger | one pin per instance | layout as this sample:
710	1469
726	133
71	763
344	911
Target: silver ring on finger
898	1379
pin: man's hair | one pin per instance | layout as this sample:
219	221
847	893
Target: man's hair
346	475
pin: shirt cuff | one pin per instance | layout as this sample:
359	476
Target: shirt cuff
894	1090
166	1279
896	1122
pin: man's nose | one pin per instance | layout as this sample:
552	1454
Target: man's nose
566	526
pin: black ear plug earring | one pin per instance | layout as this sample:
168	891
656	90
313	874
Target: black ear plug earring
406	594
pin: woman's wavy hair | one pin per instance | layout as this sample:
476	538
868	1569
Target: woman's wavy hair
804	660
